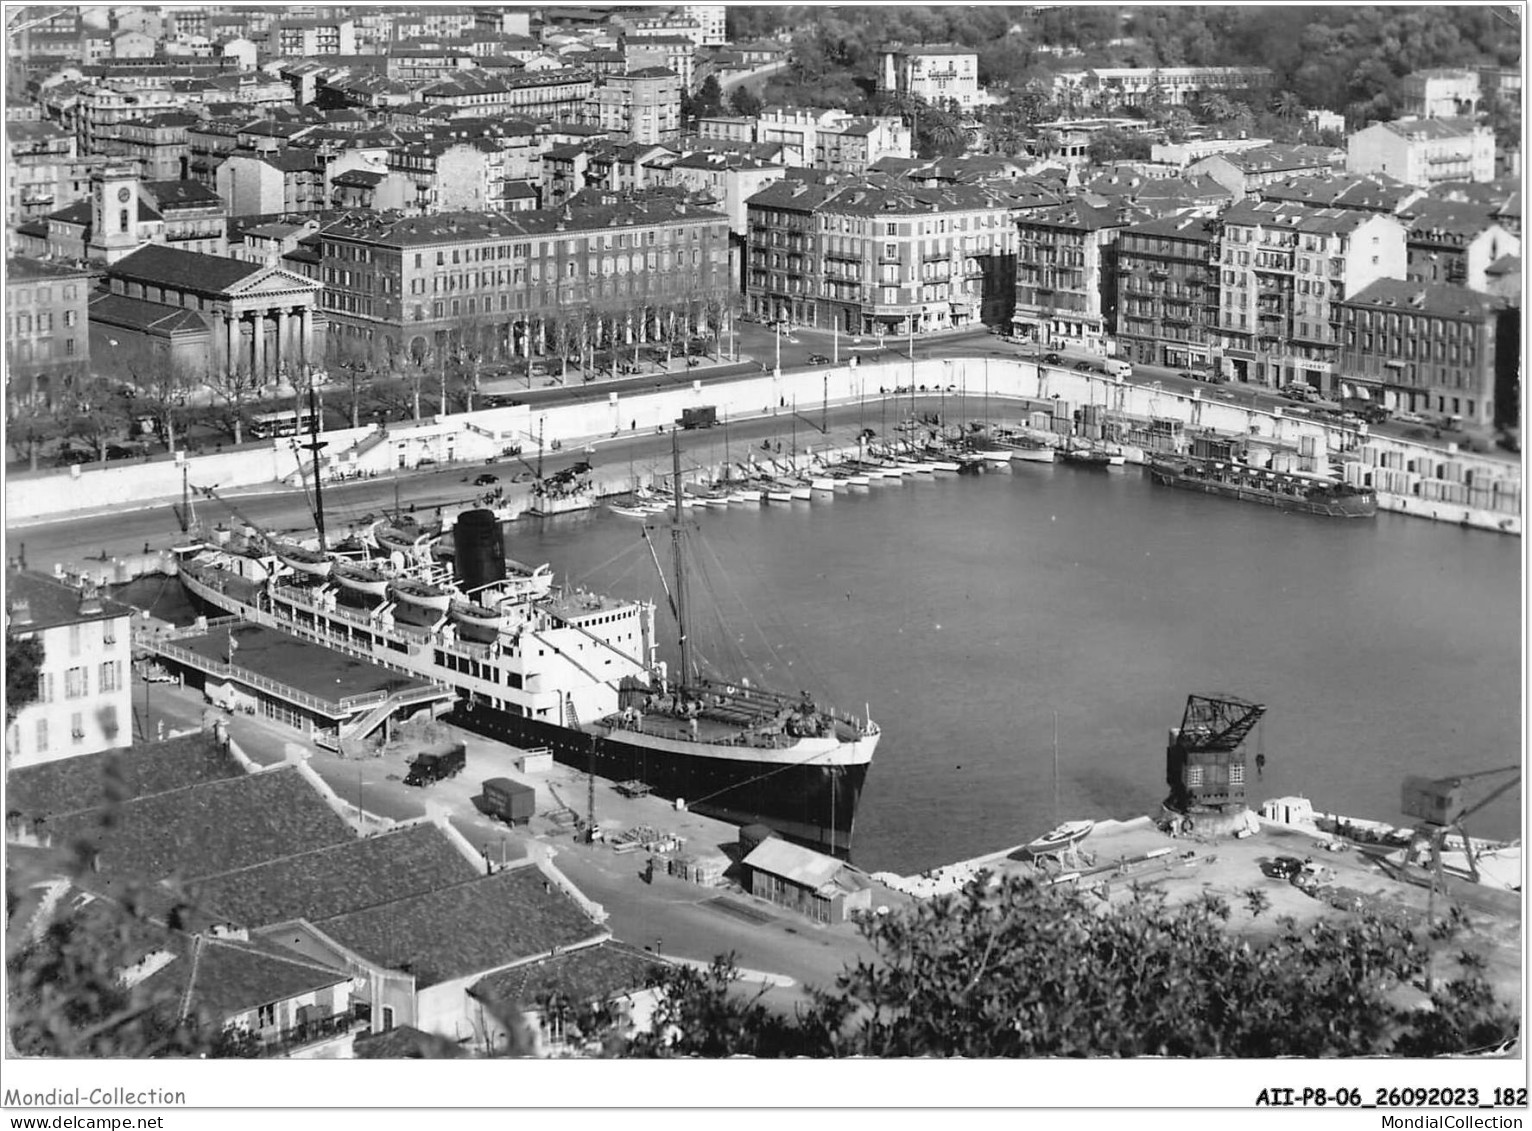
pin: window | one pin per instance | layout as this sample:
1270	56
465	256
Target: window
111	675
45	687
76	683
42	735
77	726
266	1016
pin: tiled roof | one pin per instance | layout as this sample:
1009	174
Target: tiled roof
85	781
1447	218
471	928
211	827
360	178
338	880
1432	129
52	604
1442	299
594	209
172	266
1181	227
182	194
589	974
405	1042
226	976
20	269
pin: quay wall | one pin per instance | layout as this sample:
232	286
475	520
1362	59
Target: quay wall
1491	489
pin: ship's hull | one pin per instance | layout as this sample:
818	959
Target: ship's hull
813	804
1359	505
808	792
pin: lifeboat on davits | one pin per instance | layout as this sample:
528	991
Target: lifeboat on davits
300	559
406	539
421	594
360	579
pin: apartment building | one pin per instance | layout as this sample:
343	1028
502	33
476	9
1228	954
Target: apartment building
1066	274
874	256
304	39
83	703
711	19
157	145
524	279
1167	292
43	170
939	74
1248	172
1155	86
641	106
1456	243
1424	151
1284	268
46	329
450	175
1424	348
672	52
1442	92
561	94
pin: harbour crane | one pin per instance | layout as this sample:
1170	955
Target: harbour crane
1441	806
1204	762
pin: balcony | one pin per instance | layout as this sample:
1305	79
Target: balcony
284	1042
888	259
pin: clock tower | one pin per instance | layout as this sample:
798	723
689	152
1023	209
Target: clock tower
114	213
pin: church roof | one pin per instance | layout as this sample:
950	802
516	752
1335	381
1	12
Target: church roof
165	265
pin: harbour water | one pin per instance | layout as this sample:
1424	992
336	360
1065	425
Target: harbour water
966	611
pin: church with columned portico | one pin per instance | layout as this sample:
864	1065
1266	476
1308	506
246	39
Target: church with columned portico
205	316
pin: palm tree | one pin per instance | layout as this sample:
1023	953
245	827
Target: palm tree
1217	107
1287	105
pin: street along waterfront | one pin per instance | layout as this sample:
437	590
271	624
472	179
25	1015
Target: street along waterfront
965	611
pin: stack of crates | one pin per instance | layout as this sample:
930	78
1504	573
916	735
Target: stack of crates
703	870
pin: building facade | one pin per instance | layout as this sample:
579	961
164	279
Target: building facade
1424	151
642	106
872	256
46	329
939	74
1168	294
1441	92
1155	86
1427	349
523	282
1283	270
82	704
1066	276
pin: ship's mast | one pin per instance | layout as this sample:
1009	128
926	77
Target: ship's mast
677	540
314	447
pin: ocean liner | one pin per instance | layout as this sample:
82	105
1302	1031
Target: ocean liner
573	671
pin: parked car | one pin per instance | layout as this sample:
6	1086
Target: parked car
818	359
1188	375
1283	867
1409	418
1052	359
486	480
1084	366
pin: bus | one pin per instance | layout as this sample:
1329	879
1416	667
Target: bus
288	422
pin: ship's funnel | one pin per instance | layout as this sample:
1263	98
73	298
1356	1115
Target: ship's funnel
479	557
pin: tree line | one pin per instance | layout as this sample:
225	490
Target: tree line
1002	969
